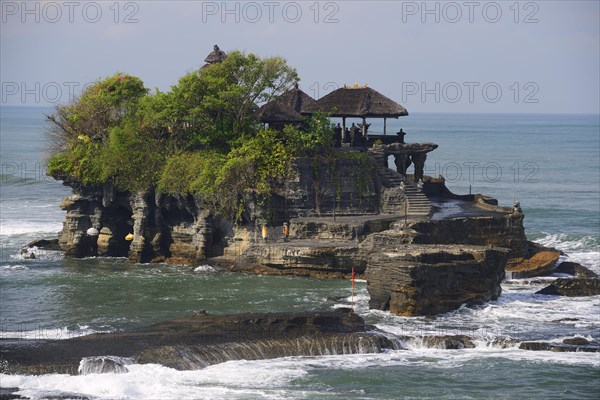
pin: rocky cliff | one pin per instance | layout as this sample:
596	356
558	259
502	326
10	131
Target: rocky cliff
433	279
341	218
162	226
181	229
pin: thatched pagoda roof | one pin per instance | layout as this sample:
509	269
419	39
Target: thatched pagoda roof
360	102
289	107
215	56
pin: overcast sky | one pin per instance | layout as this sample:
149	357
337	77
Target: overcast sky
464	56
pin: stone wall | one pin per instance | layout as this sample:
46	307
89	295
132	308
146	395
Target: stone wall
346	186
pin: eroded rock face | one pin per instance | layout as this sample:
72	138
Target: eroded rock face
298	258
500	230
427	280
163	227
83	211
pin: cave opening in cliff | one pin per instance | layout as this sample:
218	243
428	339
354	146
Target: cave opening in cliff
117	223
177	218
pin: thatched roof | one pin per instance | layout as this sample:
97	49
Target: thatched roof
362	102
289	107
215	56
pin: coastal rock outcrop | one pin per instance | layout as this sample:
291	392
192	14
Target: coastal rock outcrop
340	220
589	347
142	226
538	261
575	269
433	279
572	287
180	229
497	229
197	341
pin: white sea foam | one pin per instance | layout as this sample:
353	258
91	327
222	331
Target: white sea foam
104	365
584	250
241	379
205	268
446	210
15	227
34	253
519	314
590	260
569	243
262	378
10	268
41	333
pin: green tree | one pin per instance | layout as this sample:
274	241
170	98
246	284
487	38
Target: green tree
101	106
215	107
315	139
131	158
202	137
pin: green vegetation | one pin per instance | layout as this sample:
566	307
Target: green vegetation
202	137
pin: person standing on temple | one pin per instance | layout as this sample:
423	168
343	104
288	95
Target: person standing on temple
337	135
364	128
347	135
353	135
401	134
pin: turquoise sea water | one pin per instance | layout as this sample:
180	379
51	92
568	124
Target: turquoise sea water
550	163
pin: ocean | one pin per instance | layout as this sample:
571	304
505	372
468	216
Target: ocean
549	163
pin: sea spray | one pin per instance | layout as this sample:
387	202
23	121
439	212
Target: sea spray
104	365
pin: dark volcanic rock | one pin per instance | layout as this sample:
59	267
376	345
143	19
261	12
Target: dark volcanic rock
572	287
46	244
560	347
428	280
575	269
9	393
577	341
195	342
449	342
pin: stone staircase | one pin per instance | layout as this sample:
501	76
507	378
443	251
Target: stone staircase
418	203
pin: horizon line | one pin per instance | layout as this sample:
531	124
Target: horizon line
410	113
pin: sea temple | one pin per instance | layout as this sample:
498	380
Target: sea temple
366	209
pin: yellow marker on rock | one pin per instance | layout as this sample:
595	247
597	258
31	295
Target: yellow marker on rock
129	237
265	232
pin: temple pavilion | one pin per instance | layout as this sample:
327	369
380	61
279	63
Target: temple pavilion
360	102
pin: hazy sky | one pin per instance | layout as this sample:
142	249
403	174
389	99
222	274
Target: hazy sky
463	56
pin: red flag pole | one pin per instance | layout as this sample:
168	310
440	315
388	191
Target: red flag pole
352	288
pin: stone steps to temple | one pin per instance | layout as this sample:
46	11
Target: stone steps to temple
418	203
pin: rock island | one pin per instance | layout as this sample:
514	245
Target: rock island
237	166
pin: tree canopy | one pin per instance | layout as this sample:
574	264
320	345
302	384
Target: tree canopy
202	137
